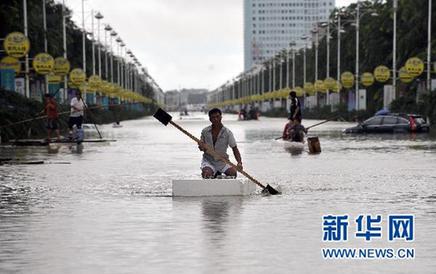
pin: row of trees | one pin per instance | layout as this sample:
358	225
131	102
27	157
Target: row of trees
376	38
11	19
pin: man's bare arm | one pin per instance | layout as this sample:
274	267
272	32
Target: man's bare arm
237	155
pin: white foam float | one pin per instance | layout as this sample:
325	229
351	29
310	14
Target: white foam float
212	187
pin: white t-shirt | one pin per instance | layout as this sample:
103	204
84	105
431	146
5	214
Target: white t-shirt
77	104
225	139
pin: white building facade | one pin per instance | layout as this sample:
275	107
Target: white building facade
271	25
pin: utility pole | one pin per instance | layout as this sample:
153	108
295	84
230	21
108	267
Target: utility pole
338	74
328	59
64	36
98	16
394	53
93	42
429	48
26	33
357	55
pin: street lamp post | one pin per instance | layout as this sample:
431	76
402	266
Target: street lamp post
429	48
93	42
293	68
123	67
119	41
113	34
304	38
129	68
262	80
108	28
26	33
327	24
357	55
98	16
64	34
394	53
281	73
316	32
274	73
358	15
291	46
338	67
83	37
288	68
44	19
270	67
304	67
339	30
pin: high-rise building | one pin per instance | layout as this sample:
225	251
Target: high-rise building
271	25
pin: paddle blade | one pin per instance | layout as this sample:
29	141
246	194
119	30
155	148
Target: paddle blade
270	190
162	116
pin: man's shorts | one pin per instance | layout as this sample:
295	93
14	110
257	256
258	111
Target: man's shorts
222	168
75	121
52	124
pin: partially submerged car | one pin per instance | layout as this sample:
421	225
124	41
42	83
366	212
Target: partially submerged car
391	123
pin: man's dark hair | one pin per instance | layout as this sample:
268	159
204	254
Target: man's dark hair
214	110
48	95
293	94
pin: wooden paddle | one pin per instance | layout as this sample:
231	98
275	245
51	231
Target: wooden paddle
323	122
165	118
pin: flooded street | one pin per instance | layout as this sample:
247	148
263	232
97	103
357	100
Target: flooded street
111	211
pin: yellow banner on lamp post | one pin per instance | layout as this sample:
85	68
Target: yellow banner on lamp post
299	91
94	82
347	79
320	86
9	62
61	66
77	76
337	87
43	63
309	88
414	66
367	79
329	82
382	74
16	44
405	76
54	78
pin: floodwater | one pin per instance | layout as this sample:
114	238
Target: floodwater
110	210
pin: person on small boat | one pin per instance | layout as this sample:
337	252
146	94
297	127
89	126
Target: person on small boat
242	114
286	135
297	131
218	137
295	110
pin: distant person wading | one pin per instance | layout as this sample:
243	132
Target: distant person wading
76	113
51	110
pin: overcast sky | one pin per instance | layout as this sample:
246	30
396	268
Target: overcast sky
182	43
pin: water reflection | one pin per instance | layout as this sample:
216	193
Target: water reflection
77	149
216	211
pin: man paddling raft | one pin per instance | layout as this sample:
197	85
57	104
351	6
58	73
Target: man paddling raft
219	138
